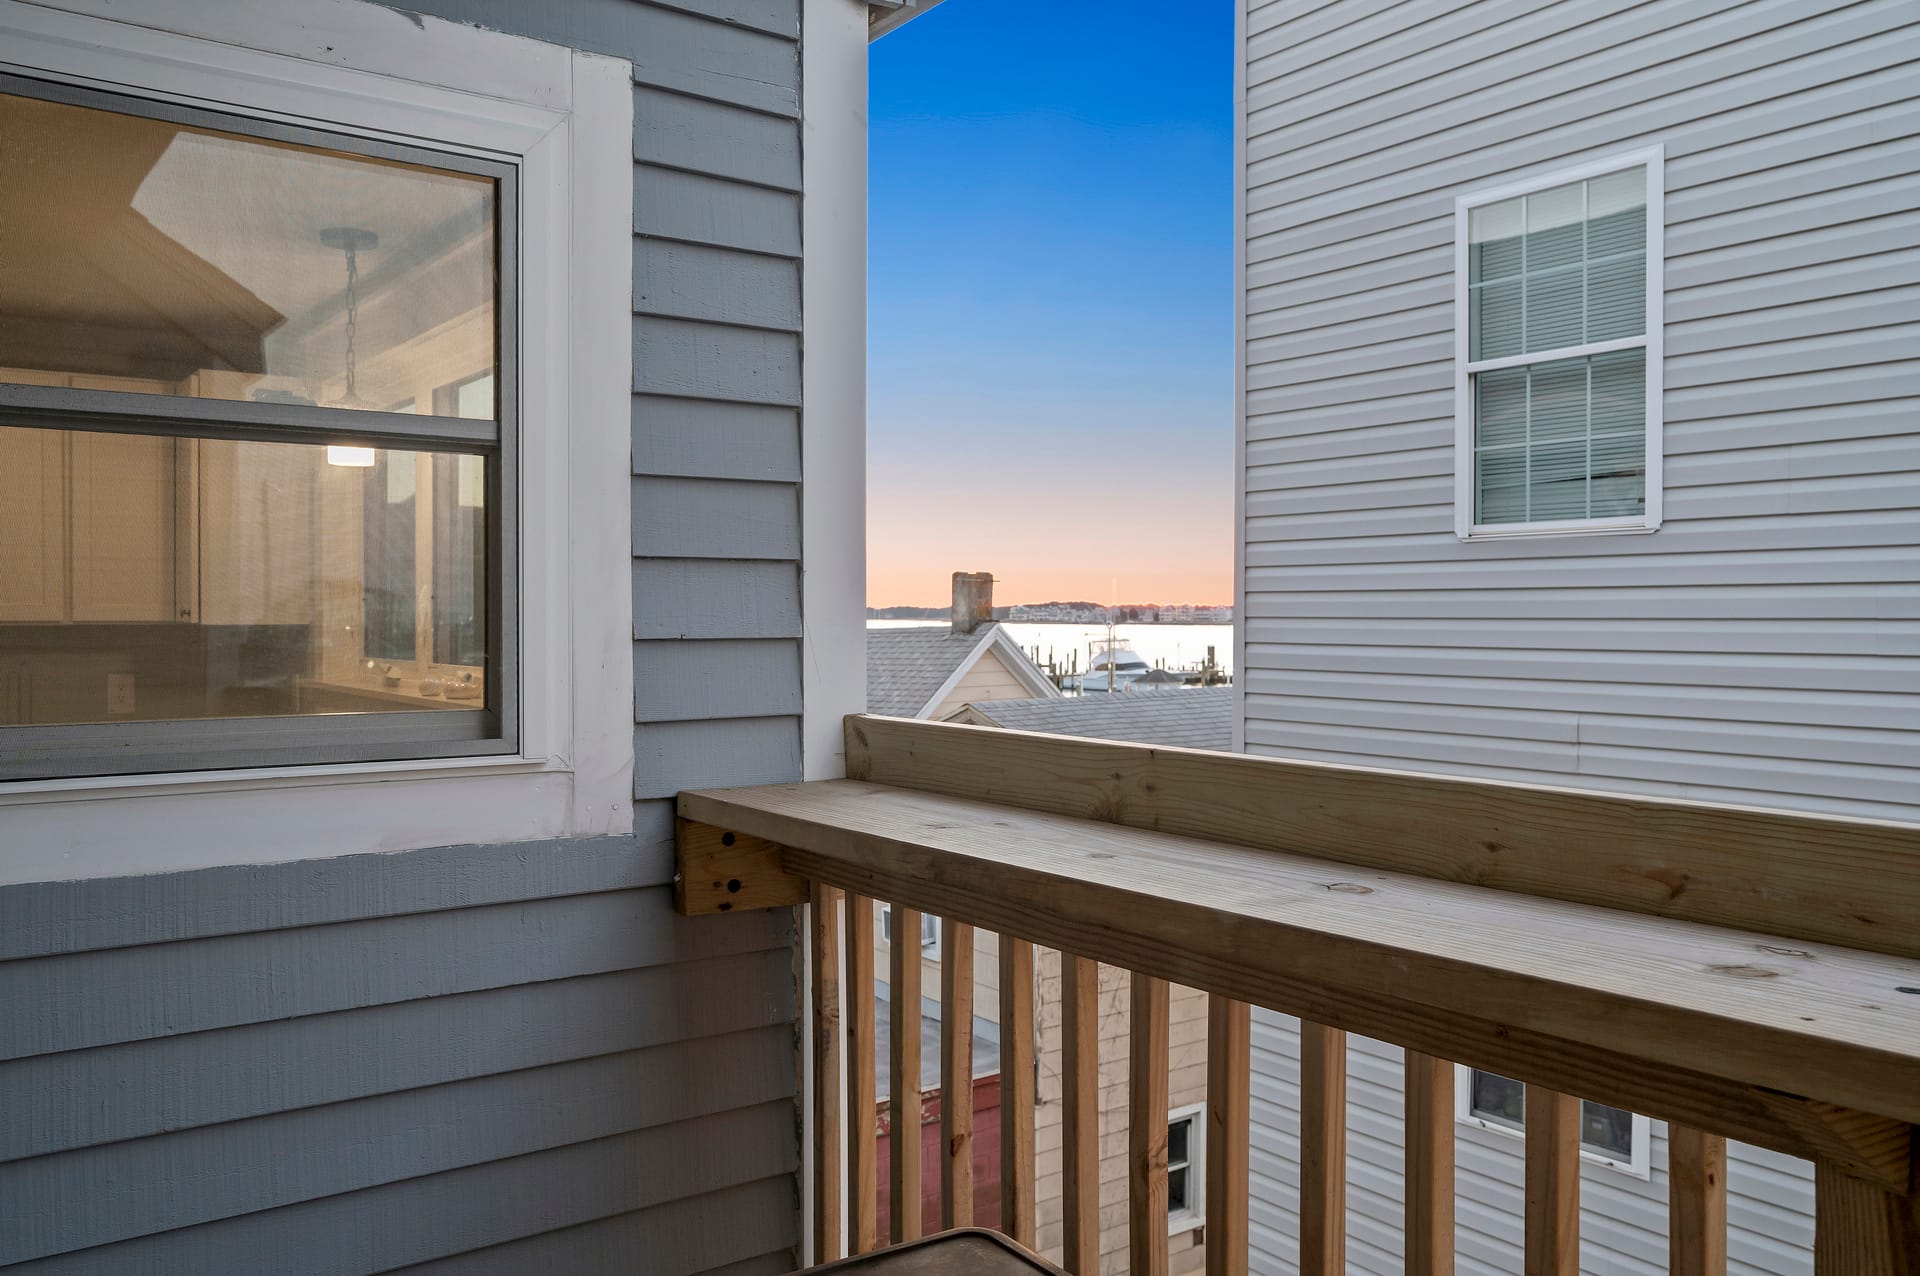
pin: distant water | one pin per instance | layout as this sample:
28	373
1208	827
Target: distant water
1176	646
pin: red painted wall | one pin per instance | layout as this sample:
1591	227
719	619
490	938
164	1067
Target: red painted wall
986	1158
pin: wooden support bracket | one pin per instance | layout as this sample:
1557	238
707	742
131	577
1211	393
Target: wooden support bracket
719	871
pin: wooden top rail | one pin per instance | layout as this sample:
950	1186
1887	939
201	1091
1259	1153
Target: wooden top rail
1806	1047
1850	882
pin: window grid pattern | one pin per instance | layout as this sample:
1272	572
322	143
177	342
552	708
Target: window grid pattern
1559	273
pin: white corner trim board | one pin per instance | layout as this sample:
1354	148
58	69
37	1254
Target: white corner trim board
565	119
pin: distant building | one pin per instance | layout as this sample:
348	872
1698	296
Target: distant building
929	671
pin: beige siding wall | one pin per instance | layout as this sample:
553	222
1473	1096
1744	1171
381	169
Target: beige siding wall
989	679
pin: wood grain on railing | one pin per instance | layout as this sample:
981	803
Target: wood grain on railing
903	1076
1685	860
956	1073
1429	1173
1682	1022
1323	1150
1697	1203
1862	1230
1553	1183
824	918
862	1107
1080	1112
1147	1127
1229	1103
1017	1207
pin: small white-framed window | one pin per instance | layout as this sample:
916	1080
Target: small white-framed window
1557	352
1609	1136
929	930
1186	1168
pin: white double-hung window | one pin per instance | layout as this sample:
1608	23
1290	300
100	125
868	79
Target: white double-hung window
1557	352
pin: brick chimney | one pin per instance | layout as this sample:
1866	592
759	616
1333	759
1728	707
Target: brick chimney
972	601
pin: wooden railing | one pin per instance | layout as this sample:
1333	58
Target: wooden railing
1737	973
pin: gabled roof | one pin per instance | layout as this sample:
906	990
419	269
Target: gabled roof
911	669
1193	718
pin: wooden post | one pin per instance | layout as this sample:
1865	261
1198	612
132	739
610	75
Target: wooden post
1429	1174
903	1072
1229	1049
1147	1128
1553	1183
862	1155
1697	1202
956	1073
1018	1216
1323	1150
1863	1230
1080	1113
824	918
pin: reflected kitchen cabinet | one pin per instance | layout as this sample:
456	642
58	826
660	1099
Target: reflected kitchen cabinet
33	525
253	522
124	494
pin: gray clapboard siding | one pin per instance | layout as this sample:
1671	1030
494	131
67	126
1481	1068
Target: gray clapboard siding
690	681
489	1057
40	919
709	137
1761	647
717	518
715	361
468	1208
724	285
169	1181
671	756
128	994
142	1088
680	1236
671	204
682	598
698	438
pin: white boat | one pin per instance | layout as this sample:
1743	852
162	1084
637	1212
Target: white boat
1111	666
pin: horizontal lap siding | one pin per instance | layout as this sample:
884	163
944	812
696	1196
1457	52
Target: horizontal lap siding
507	1058
1762	647
1622	1218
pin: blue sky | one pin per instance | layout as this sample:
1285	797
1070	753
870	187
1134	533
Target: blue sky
1050	292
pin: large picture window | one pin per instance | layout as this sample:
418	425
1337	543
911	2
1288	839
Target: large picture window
257	430
1558	351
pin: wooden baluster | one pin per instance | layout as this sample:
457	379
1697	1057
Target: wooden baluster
1080	1112
1553	1183
1229	1098
862	1154
824	917
903	1072
1147	1128
1323	1150
1697	1203
1863	1230
1017	1210
1429	1175
956	1073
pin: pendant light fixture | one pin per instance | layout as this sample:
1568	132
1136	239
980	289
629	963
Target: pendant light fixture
350	240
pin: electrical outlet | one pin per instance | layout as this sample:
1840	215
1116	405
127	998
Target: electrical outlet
119	693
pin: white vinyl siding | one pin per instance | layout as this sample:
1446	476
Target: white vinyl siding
1558	352
1762	648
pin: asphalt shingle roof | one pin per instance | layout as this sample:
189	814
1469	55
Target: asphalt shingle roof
1189	718
905	666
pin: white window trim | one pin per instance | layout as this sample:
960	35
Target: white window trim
1652	160
1639	1165
1188	1220
566	118
929	931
